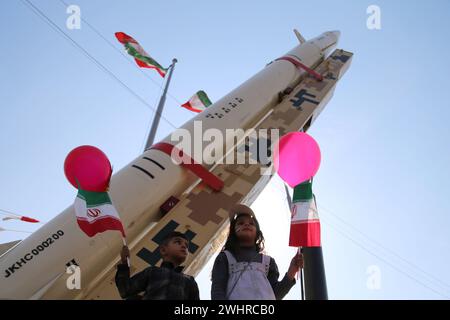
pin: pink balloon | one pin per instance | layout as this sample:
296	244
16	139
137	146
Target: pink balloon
90	167
296	158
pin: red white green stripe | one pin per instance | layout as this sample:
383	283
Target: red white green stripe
141	57
198	102
305	224
21	218
95	213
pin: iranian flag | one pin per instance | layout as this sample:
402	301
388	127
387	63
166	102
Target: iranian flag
141	57
21	218
96	213
305	224
198	102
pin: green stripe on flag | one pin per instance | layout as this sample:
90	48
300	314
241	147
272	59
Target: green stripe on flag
303	192
204	98
132	51
94	199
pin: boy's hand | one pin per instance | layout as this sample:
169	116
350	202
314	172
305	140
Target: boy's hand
296	264
124	254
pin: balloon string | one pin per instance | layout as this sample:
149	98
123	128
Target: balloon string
78	184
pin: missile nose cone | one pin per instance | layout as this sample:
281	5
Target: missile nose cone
327	41
336	34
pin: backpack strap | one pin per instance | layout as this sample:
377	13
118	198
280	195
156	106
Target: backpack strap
231	261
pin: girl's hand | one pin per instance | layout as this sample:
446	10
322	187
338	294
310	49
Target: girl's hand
124	254
296	264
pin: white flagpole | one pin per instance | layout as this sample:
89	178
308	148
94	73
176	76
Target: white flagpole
302	289
299	250
124	241
162	100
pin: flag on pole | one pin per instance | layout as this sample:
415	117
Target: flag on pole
96	213
305	224
198	102
141	57
21	218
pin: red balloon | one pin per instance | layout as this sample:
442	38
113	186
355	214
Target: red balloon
88	166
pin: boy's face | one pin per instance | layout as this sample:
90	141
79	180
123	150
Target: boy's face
176	250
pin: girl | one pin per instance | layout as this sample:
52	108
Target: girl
241	271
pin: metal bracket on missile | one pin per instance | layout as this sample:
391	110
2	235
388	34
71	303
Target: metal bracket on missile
284	93
187	162
169	204
300	65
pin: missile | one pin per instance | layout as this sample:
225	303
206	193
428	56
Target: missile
154	193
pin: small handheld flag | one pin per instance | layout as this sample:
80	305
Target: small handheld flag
96	213
305	223
142	58
21	218
198	102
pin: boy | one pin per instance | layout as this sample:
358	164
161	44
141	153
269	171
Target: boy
159	283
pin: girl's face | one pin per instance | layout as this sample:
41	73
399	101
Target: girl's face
245	228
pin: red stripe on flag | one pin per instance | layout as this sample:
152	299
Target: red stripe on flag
27	219
188	106
100	225
124	38
306	234
161	72
142	64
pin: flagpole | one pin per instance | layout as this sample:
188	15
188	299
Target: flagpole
124	241
314	268
302	288
312	276
162	100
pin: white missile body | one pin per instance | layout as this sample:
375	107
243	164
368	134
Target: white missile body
139	189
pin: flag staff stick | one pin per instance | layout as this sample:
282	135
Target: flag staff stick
124	241
302	288
162	100
289	201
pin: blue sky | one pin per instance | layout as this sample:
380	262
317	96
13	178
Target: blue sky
384	175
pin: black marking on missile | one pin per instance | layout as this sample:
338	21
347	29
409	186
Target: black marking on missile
143	170
343	58
72	262
227	109
152	257
157	163
330	76
303	96
40	247
263	150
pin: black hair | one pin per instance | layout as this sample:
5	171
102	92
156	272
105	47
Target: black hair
172	235
232	243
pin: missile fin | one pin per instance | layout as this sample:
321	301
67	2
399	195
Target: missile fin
299	36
